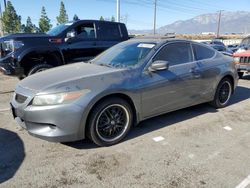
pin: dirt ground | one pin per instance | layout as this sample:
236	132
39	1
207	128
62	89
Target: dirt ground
197	147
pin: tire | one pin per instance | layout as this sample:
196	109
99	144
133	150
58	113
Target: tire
117	116
240	74
223	93
39	68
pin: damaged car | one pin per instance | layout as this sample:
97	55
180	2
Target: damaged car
130	82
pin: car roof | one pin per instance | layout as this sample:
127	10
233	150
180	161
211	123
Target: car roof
89	20
157	39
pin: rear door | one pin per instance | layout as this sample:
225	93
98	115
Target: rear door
171	89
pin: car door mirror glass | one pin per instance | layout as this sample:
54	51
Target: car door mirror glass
159	65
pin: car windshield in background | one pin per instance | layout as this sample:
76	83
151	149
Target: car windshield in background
58	29
124	55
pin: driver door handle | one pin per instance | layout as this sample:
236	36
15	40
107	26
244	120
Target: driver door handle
196	72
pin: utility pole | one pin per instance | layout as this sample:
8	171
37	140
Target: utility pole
5	4
218	27
155	17
118	10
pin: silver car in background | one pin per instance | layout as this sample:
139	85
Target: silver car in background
128	83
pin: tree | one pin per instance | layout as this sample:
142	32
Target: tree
29	27
44	21
102	19
112	19
75	18
63	17
11	21
23	28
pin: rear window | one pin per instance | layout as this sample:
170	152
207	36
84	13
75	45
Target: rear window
110	31
202	52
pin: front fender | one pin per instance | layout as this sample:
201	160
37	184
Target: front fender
92	100
39	50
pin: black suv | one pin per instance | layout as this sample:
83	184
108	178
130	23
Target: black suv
25	54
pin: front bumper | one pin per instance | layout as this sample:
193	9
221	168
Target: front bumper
57	123
8	66
243	67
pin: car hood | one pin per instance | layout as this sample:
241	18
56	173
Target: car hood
245	53
23	35
68	77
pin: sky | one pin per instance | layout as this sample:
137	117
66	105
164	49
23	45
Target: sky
137	14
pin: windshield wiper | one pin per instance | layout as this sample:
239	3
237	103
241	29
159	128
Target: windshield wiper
106	65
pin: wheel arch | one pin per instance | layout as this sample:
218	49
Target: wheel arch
231	78
54	57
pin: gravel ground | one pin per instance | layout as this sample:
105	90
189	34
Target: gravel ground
201	147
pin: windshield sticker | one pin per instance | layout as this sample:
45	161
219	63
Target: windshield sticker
70	23
143	45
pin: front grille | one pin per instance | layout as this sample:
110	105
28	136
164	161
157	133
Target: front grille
245	59
20	98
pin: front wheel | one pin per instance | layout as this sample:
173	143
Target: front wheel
110	121
240	74
39	68
223	93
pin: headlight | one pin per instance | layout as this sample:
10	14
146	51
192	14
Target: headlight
58	98
12	45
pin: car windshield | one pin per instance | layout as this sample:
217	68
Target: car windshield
59	29
124	54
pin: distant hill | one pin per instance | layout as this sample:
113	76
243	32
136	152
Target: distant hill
231	22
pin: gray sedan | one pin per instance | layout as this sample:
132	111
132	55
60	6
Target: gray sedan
124	85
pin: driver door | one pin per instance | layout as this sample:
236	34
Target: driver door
82	47
173	88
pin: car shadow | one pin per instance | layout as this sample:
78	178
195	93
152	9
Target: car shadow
155	123
11	154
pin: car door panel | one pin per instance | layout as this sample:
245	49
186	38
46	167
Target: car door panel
170	89
208	64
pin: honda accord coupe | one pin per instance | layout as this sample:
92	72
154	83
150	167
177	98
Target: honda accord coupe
130	82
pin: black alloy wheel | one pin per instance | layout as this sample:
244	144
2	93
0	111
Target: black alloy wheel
223	93
110	121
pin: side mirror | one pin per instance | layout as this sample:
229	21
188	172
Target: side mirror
159	65
69	35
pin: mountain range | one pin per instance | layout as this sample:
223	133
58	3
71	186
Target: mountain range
231	22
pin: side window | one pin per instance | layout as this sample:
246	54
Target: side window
86	31
175	53
202	52
110	32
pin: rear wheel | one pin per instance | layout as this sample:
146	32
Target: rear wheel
240	74
223	93
110	121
